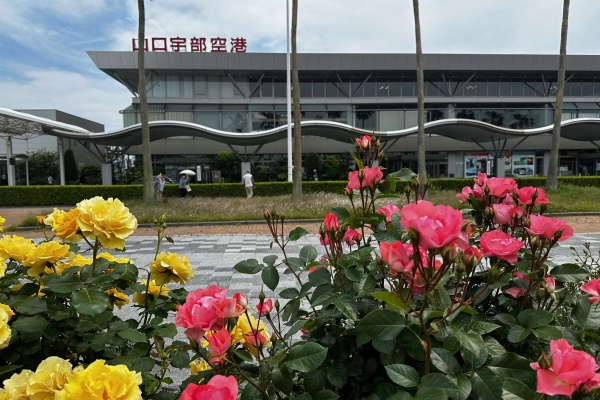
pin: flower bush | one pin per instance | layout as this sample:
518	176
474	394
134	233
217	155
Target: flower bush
404	300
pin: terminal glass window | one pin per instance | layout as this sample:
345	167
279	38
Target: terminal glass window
365	119
214	87
226	88
370	88
587	87
173	86
383	87
408	88
279	88
505	87
331	89
516	86
318	88
207	118
306	88
267	87
200	86
493	87
395	87
242	88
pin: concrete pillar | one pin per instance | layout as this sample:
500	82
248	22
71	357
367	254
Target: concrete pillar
107	174
547	162
61	159
500	169
10	168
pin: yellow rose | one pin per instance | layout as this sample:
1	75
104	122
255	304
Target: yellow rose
77	261
242	332
171	267
2	267
5	332
111	258
46	252
154	291
50	376
64	224
15	247
109	221
117	298
15	388
198	366
101	381
2	221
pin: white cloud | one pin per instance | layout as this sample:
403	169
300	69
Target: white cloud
95	98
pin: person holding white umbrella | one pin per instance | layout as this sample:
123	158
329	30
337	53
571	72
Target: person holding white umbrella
184	182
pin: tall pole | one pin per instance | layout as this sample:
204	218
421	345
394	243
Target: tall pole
289	89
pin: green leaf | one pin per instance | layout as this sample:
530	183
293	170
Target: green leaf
482	327
305	357
404	175
366	284
37	323
571	273
250	266
382	324
319	277
390	299
28	305
282	379
270	277
90	301
5	369
486	385
444	361
133	335
511	365
65	284
294	328
518	333
548	333
439	381
506	319
289	293
534	318
585	315
464	387
471	341
128	272
297	233
315	380
429	393
346	304
145	364
337	375
270	260
513	389
308	254
403	375
325	395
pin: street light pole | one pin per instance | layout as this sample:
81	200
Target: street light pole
289	90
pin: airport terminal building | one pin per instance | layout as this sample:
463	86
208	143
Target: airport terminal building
484	112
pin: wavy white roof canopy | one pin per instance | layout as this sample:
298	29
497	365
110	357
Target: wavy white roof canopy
13	123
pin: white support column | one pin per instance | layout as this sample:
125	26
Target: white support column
27	170
500	168
61	159
289	90
10	168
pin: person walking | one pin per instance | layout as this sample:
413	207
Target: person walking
248	181
159	187
183	185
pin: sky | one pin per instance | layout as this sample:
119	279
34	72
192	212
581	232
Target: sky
43	44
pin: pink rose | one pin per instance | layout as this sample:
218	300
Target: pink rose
199	314
525	195
397	255
241	299
218	344
353	181
500	187
593	288
265	307
255	338
351	237
517	291
388	211
364	142
481	179
372	176
549	283
592	384
471	256
436	225
218	388
500	245
464	196
503	214
568	370
331	222
228	308
549	228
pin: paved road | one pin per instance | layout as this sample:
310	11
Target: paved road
213	257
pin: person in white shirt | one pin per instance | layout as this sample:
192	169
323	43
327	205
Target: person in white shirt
248	182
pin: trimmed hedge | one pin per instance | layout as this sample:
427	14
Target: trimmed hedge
49	195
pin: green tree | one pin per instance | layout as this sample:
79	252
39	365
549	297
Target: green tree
312	163
92	173
146	149
552	179
229	165
71	171
41	164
